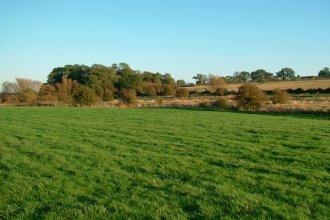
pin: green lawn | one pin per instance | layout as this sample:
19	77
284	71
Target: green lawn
98	163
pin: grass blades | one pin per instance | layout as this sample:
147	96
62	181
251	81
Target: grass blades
98	163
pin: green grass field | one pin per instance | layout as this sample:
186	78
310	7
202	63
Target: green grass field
98	163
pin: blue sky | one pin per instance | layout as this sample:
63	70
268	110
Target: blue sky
179	37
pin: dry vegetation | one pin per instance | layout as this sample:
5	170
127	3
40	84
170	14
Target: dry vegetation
202	97
304	84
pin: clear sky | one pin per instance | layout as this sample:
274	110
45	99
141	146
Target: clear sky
180	37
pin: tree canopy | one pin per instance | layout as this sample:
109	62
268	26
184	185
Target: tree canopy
286	74
325	73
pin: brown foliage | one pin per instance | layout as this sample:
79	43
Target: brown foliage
280	97
129	97
150	88
182	93
220	91
221	103
216	82
108	95
249	97
83	95
48	93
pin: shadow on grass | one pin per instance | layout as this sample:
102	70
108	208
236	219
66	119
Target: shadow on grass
306	115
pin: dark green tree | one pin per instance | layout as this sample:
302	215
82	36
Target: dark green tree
261	76
129	79
181	82
57	74
325	73
286	74
200	79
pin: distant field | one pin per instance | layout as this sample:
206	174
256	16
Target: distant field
304	84
112	163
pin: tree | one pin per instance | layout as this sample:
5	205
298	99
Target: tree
261	76
56	75
241	76
128	79
181	82
325	73
48	93
23	90
8	87
286	74
216	82
200	79
249	97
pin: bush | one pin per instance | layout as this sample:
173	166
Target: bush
249	97
108	95
206	92
168	90
221	91
326	90
290	91
205	104
129	97
279	96
182	93
298	91
83	95
193	92
221	103
28	95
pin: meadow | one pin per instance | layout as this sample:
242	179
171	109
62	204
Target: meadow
162	163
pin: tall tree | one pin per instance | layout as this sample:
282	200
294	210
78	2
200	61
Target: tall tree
200	79
57	74
325	73
286	74
8	87
261	76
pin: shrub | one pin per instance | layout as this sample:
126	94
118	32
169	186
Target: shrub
221	103
193	92
279	96
205	104
108	95
206	92
221	91
298	91
168	90
28	95
290	91
182	93
83	95
129	97
249	97
160	101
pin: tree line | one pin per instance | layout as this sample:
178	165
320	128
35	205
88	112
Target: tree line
260	76
87	85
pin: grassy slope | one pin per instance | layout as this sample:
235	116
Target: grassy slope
304	84
161	163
